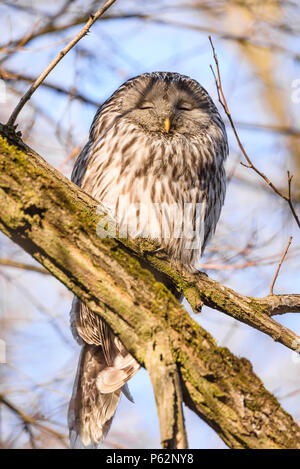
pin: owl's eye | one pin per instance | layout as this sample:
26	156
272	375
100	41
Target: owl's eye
184	107
146	105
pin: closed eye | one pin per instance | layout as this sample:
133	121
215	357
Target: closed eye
146	106
184	107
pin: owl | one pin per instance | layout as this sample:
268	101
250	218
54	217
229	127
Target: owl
155	159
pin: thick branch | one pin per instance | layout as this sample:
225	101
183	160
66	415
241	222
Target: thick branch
200	289
55	222
280	304
165	379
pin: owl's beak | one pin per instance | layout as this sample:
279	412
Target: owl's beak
167	124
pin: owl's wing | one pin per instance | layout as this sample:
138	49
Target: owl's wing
214	195
80	164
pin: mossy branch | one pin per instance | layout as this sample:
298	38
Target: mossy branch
55	222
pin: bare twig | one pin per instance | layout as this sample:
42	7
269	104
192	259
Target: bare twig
290	200
250	165
55	61
279	265
28	429
31	421
279	129
11	76
53	27
21	265
71	156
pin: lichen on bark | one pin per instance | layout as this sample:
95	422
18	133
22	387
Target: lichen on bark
55	222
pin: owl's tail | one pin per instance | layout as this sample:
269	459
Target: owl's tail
96	394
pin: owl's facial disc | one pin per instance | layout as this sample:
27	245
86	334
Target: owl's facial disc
166	108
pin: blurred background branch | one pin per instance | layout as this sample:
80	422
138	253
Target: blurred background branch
258	49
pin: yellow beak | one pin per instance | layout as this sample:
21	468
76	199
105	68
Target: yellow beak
167	124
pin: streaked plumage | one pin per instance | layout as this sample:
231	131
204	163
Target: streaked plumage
158	139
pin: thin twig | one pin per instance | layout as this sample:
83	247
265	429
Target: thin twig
11	75
21	265
280	129
8	75
250	165
279	265
31	421
28	429
55	61
290	200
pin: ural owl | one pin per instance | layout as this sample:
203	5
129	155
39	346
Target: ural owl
154	159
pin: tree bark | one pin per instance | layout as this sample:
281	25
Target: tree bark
56	223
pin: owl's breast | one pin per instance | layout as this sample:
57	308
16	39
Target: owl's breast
154	189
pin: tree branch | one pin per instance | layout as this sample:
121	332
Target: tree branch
280	264
199	289
8	75
92	19
165	379
28	421
56	222
21	265
250	165
53	27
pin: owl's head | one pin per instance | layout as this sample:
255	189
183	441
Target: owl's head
166	103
